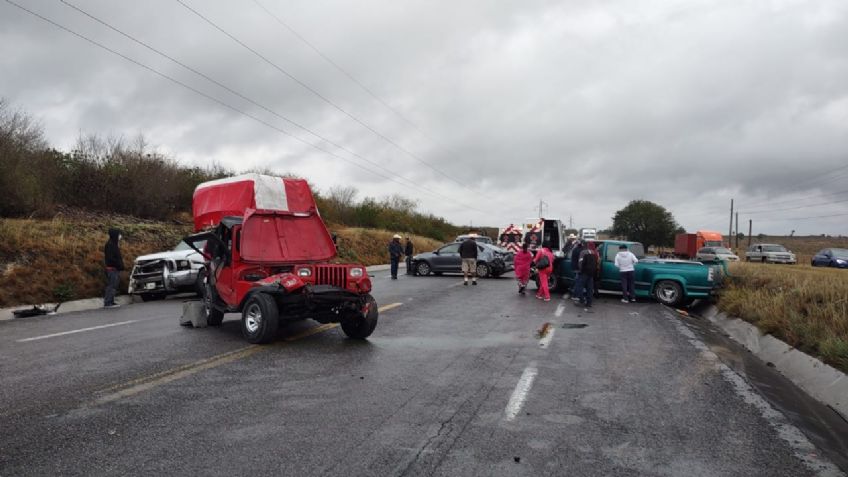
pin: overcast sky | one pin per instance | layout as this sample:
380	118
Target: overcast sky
477	109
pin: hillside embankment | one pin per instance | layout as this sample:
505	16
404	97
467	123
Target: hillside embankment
61	259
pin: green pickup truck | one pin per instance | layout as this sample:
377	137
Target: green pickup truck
671	282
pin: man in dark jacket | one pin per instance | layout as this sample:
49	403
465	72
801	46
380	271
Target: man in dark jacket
575	258
588	266
114	266
468	254
395	252
409	251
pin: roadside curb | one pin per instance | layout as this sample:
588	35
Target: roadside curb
819	380
88	304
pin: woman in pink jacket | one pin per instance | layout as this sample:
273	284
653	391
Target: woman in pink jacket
522	267
544	293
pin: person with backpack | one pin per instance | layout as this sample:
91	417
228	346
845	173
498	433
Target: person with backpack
521	263
626	262
588	266
544	261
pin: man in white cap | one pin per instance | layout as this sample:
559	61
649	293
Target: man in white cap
395	252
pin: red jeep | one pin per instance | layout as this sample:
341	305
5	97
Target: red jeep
268	257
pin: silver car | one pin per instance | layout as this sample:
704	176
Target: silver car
769	252
711	254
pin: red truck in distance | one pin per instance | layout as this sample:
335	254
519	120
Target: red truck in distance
268	256
687	245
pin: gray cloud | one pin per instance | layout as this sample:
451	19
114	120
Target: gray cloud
586	105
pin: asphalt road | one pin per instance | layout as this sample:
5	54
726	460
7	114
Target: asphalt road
454	381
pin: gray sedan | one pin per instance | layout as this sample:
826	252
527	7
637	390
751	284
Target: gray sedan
492	261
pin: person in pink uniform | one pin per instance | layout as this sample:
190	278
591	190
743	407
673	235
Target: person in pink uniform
522	263
544	272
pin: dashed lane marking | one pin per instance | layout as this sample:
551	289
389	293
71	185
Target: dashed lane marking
146	383
559	309
81	330
519	395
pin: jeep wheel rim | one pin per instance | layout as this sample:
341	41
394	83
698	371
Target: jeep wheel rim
668	293
253	318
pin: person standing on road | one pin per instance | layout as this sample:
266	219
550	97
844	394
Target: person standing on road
409	251
626	262
522	267
588	266
544	261
114	266
468	254
575	259
395	252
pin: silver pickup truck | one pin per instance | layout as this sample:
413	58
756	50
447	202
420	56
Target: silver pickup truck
157	275
769	252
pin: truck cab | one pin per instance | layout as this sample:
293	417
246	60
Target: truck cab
671	282
270	257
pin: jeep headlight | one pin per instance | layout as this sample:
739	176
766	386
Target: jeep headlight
356	272
304	272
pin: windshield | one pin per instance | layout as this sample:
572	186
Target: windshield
774	248
184	246
723	251
840	253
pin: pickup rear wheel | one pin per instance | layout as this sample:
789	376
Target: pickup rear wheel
359	327
260	319
669	293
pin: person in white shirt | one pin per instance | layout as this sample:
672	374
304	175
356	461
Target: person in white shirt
626	263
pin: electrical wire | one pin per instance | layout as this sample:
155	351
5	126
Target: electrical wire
318	94
207	96
252	101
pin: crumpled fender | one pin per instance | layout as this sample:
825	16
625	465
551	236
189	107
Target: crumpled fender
289	281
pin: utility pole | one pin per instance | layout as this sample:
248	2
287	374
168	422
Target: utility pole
737	231
542	204
570	221
750	223
730	232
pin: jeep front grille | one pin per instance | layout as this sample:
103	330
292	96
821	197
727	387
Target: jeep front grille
335	275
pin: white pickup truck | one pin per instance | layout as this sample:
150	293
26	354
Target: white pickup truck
157	275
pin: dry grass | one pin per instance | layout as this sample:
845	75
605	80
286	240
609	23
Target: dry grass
62	259
804	306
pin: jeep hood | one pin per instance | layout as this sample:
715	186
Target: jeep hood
279	237
170	255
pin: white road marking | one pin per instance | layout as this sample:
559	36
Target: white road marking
546	340
44	337
522	389
803	449
560	308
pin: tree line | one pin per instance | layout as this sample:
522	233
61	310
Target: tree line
114	175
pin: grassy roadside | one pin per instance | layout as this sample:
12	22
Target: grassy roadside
804	306
61	259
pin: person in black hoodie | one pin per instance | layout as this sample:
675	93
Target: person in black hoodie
409	250
114	266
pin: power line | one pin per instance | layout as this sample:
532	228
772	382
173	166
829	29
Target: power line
796	207
351	77
318	94
774	219
250	100
207	96
780	202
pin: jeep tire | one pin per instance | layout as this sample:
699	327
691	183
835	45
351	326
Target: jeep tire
260	319
214	316
359	327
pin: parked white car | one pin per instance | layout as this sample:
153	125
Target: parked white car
157	275
769	252
709	254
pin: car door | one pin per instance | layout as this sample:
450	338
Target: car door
706	253
447	260
755	252
610	276
823	257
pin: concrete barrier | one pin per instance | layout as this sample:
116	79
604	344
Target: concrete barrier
87	304
821	381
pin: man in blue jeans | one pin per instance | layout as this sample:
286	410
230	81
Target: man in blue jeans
395	252
588	266
114	266
626	263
